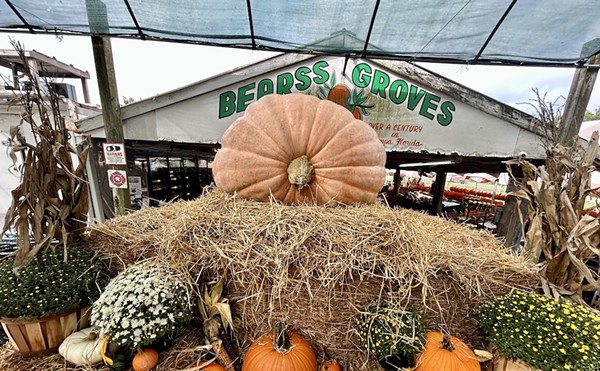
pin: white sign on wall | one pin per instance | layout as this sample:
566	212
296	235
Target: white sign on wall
114	153
117	179
406	114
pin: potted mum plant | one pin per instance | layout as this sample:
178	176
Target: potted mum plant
48	275
43	302
141	309
394	334
541	333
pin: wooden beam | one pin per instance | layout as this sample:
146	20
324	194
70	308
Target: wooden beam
109	97
577	100
437	191
86	91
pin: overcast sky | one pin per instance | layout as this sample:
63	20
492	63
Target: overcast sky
147	68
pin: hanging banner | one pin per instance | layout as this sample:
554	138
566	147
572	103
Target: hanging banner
117	179
409	108
114	153
407	114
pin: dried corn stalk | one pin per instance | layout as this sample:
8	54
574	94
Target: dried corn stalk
51	203
560	237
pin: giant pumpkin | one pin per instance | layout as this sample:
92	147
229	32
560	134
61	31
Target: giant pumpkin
300	149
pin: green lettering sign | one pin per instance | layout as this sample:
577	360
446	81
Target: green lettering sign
285	81
361	75
265	87
226	104
303	80
244	97
430	102
398	91
445	118
414	97
381	81
322	76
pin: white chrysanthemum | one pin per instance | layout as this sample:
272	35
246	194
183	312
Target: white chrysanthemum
142	304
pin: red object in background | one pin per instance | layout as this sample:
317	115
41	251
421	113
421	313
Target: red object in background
484	196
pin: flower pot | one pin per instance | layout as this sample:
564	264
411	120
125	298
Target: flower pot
505	364
44	335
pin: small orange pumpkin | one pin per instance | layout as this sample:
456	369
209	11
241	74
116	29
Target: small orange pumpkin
299	149
213	367
283	351
331	365
145	360
445	352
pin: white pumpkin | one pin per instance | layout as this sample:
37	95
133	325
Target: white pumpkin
82	347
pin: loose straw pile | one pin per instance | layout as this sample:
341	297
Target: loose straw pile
317	267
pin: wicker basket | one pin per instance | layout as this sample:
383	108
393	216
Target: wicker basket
44	335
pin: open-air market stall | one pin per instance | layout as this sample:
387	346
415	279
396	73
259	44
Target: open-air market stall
426	122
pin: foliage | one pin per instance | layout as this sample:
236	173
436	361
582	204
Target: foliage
591	116
141	305
55	281
217	322
559	234
51	203
548	114
548	334
392	332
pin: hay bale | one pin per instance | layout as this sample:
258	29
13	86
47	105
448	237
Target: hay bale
317	267
184	353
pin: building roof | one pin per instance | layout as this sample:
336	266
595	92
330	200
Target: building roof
46	66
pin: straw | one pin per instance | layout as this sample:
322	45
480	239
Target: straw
317	267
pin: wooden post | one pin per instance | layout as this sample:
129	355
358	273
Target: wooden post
513	211
396	181
577	101
86	91
437	191
109	97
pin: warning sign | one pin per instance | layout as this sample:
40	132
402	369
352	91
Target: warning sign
114	153
117	179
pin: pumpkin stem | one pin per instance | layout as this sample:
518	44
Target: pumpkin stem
300	172
92	336
282	340
447	343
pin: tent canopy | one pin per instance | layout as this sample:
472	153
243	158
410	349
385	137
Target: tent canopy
525	32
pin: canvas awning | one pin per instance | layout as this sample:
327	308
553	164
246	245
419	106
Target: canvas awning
525	32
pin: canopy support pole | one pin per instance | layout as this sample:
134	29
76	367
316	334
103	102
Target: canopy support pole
577	101
437	191
111	113
496	27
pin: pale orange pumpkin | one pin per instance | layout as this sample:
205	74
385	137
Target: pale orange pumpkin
445	352
331	365
145	360
300	149
282	351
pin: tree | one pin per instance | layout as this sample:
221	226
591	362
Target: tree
589	116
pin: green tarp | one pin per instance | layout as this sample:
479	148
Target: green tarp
523	32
